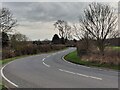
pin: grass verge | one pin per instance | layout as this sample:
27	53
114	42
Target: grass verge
72	57
11	59
2	87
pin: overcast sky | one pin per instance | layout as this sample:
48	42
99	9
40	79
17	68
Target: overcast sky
36	19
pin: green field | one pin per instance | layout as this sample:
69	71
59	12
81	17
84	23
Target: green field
115	48
72	57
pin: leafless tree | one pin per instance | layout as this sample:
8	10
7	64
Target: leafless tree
64	29
19	37
7	22
100	21
82	35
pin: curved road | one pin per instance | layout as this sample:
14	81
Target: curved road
51	71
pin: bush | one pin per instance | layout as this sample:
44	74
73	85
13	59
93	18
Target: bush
81	49
26	50
29	49
7	53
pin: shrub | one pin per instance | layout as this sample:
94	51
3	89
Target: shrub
26	50
7	53
29	49
81	49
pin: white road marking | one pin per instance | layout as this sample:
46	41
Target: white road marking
67	71
43	59
73	63
48	56
2	74
46	64
95	78
81	74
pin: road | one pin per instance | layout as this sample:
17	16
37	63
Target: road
51	71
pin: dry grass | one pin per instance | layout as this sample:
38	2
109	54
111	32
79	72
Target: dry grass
111	56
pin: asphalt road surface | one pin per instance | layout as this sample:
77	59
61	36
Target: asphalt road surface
51	71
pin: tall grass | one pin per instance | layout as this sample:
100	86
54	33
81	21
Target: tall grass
111	56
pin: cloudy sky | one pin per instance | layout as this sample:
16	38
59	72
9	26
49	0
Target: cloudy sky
36	19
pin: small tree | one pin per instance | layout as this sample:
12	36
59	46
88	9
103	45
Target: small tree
18	39
55	39
37	42
5	39
64	29
82	36
100	21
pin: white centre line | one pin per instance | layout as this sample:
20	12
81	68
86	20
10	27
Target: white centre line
46	64
81	74
66	71
43	59
48	56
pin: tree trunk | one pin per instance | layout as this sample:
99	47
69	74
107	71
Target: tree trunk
101	46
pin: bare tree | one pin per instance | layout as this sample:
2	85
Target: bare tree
83	37
64	29
100	21
19	37
7	22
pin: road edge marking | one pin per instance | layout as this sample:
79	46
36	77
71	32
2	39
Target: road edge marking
2	74
46	64
43	59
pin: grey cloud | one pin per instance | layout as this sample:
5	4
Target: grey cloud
48	11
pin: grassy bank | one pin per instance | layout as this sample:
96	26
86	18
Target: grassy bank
72	57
